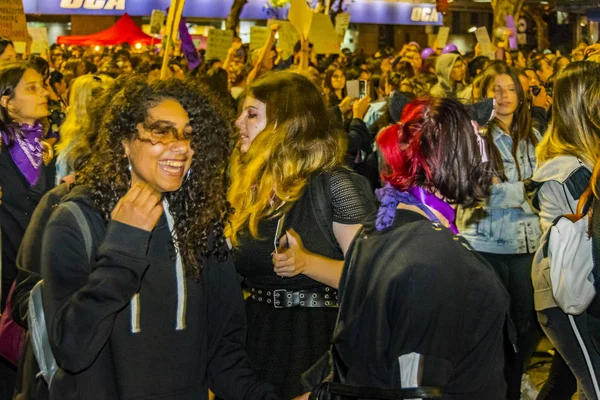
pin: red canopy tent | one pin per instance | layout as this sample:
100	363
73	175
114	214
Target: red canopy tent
125	30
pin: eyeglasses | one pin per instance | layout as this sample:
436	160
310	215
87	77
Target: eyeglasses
162	132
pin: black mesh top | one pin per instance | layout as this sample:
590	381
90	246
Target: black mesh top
253	256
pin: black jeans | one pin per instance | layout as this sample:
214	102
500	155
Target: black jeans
576	338
561	383
514	271
8	377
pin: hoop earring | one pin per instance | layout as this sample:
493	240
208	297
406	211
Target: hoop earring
129	178
187	176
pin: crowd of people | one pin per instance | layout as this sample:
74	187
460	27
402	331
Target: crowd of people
251	229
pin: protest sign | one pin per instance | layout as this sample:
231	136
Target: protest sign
218	44
342	22
12	21
288	37
323	36
483	38
442	37
301	16
258	36
157	20
39	44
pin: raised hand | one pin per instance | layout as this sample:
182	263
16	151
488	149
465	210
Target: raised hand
141	207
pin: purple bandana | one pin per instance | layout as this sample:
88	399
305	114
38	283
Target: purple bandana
390	197
26	151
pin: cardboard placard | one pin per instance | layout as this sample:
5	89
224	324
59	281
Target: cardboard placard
40	41
258	37
301	16
512	39
442	37
342	22
288	37
323	36
352	89
157	20
483	38
12	21
218	44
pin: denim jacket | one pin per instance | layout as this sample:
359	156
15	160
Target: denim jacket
505	224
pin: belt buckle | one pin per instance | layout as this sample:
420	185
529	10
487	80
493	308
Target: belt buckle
278	298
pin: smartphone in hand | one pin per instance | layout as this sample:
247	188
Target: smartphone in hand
363	88
280	240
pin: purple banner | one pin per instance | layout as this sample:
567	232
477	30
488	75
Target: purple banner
512	39
187	46
362	11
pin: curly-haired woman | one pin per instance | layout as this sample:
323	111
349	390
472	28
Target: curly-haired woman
288	163
156	311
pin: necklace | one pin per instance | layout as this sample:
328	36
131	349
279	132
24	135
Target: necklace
33	151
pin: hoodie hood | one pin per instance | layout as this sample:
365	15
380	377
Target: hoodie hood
443	68
80	194
396	104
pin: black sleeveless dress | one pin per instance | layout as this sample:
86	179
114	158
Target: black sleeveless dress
283	343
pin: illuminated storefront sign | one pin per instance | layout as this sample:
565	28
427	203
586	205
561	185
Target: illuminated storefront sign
93	4
362	11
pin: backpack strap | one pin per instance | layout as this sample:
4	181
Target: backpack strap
576	184
82	222
37	319
38	331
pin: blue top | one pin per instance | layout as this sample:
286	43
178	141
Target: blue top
506	224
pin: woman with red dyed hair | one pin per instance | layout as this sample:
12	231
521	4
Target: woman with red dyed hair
419	307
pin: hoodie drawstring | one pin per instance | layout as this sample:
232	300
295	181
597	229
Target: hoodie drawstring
181	286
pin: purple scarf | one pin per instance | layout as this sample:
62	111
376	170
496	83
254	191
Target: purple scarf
26	151
390	197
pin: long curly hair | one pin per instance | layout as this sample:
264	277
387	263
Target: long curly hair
199	207
299	141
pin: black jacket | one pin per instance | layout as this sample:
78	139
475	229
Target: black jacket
108	350
19	199
29	385
415	294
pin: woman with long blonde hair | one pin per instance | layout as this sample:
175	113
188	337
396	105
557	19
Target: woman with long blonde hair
566	156
83	91
296	211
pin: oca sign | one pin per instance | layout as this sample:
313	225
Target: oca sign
424	14
93	4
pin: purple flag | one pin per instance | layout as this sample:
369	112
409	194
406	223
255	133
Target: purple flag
187	46
512	39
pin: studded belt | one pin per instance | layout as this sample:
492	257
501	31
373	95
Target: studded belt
283	298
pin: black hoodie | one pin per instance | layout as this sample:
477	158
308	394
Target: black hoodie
419	308
174	340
